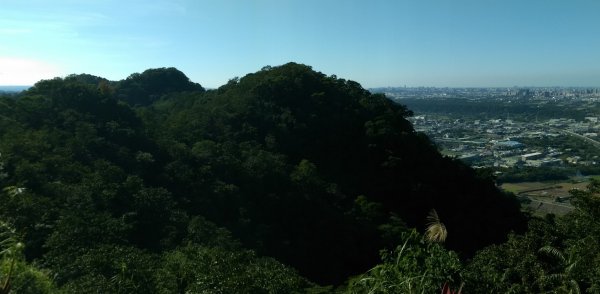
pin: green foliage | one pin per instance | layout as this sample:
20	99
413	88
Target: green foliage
563	281
416	266
310	170
17	276
112	269
198	269
149	86
554	256
532	174
508	268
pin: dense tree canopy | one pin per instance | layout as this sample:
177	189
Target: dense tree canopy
152	84
275	182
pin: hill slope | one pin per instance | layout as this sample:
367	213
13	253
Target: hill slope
280	120
309	169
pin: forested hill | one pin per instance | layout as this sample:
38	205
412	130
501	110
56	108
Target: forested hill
275	181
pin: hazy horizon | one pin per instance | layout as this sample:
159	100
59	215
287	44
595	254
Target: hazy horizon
373	87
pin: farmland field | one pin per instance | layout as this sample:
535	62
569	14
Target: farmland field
546	197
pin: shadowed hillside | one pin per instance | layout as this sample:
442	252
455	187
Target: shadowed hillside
142	180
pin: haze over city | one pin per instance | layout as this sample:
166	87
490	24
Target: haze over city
376	43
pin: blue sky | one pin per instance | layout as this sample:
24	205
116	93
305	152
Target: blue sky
376	43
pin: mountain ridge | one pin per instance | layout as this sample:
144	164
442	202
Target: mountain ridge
309	169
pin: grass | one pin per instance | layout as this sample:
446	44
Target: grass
524	186
564	186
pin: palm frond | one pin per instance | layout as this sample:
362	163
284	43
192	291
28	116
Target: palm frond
7	239
574	287
569	269
552	278
436	230
553	252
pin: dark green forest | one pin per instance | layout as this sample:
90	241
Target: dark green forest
283	181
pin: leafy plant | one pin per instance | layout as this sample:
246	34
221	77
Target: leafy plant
416	266
16	276
563	278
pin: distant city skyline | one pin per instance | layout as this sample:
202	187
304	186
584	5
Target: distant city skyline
431	43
